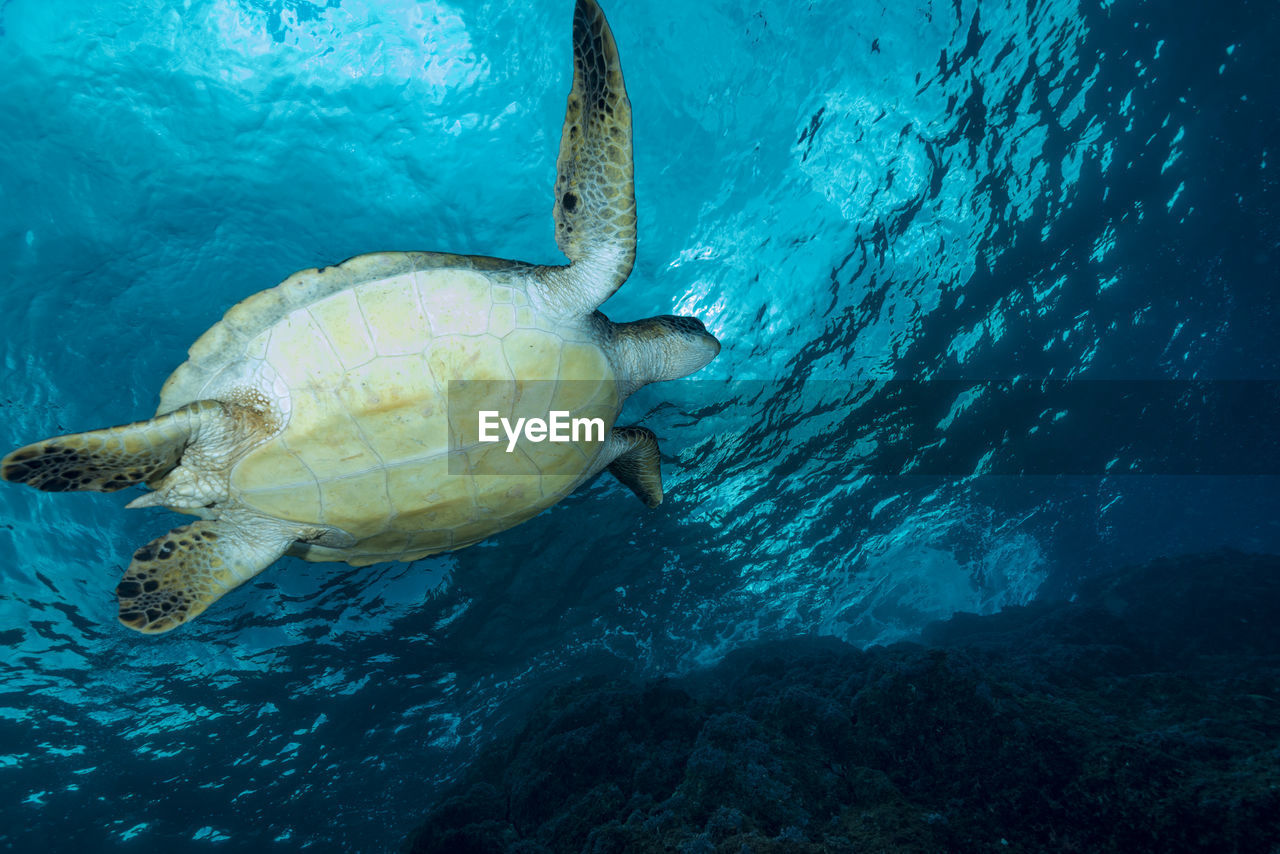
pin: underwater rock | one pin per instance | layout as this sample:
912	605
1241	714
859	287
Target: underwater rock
1142	716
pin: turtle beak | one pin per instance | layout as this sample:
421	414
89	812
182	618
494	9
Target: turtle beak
698	348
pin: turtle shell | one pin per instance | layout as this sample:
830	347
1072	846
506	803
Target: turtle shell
374	372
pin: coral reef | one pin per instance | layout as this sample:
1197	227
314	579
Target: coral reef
1142	716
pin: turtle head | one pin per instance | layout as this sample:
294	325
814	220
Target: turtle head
689	346
664	348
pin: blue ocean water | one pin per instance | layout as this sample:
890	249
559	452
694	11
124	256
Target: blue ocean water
844	192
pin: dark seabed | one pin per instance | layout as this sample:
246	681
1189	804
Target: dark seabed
1139	717
997	287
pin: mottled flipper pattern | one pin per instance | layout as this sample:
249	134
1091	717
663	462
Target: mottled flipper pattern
106	460
638	463
175	577
595	207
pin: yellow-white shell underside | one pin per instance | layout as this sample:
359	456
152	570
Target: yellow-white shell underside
359	376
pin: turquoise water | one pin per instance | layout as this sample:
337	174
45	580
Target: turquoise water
910	191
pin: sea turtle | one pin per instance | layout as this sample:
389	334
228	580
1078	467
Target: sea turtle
335	417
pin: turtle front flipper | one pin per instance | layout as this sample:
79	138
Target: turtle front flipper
110	459
595	207
173	578
633	458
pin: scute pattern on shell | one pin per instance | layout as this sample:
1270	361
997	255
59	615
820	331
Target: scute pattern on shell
225	341
363	372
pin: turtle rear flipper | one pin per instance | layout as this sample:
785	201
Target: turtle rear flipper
110	459
177	576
